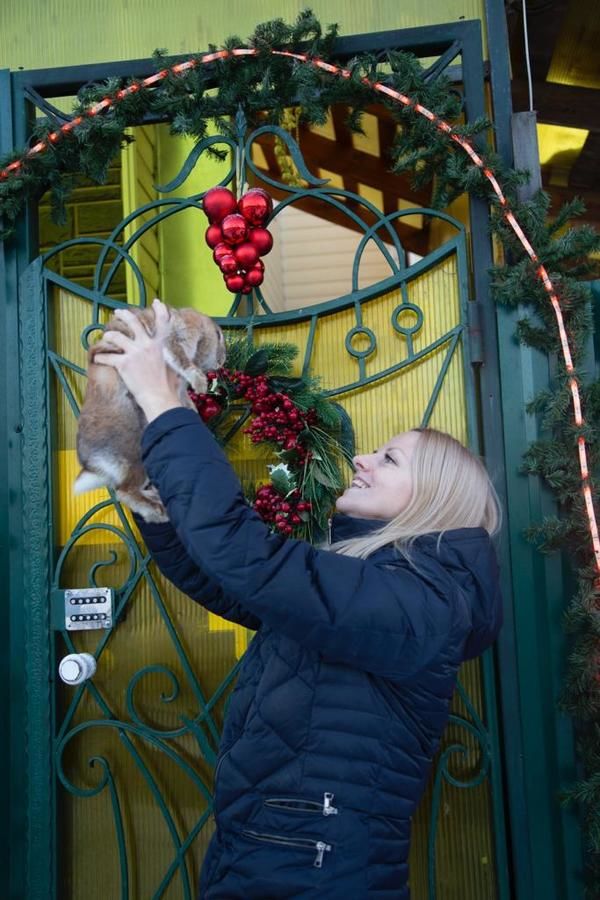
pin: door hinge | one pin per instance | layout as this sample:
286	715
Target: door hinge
474	332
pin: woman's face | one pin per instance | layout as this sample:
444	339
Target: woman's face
382	483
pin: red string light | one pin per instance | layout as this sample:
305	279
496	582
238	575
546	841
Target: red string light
441	125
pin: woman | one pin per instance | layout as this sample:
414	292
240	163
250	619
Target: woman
344	692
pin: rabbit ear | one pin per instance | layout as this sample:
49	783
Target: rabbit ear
88	481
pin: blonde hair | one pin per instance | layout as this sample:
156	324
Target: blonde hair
451	489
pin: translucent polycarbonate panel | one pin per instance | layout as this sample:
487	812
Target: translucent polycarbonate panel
135	746
427	356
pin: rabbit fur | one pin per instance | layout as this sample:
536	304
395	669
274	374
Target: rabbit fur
111	423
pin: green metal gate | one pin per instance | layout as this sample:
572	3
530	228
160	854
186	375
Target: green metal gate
114	792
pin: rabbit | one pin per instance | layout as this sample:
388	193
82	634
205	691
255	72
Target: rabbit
111	422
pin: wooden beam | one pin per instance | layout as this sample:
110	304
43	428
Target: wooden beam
585	174
561	195
544	23
560	104
386	129
365	168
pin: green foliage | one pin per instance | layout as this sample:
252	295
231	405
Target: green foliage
327	434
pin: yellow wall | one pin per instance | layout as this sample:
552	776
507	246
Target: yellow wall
196	281
37	35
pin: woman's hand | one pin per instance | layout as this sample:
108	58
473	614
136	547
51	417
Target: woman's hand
140	361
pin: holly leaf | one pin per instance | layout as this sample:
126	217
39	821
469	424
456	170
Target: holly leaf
258	363
346	436
281	383
282	482
321	476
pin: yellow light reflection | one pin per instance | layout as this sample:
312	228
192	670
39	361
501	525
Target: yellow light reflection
559	147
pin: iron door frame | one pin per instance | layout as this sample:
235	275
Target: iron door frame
29	724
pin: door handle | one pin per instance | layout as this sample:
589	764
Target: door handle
76	668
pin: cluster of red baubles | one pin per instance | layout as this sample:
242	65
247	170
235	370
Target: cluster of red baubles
278	420
237	235
285	513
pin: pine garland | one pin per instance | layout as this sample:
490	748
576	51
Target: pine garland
265	85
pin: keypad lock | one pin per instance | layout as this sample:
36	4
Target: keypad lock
88	608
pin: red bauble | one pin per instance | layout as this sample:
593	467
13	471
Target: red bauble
262	240
213	235
217	203
255	277
228	265
246	289
234	283
246	255
220	251
235	228
255	206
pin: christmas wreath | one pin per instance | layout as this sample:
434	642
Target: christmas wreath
309	435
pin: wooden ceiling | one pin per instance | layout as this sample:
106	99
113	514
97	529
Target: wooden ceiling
362	167
564	36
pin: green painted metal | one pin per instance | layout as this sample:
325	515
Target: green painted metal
36	579
7	424
48	739
548	852
479	732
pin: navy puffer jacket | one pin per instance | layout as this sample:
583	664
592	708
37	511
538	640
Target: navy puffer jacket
343	693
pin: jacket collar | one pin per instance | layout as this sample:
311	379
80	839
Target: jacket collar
344	528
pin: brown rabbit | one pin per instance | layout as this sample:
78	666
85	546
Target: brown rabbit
111	422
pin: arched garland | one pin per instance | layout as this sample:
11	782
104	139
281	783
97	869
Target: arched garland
271	73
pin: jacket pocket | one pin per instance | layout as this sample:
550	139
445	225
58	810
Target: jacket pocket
299	805
320	848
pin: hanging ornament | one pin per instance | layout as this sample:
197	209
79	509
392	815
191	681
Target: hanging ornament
213	235
246	254
228	264
217	203
220	251
255	276
237	235
255	206
262	240
235	228
234	283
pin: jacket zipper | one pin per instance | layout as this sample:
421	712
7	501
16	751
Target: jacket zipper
302	843
329	531
313	806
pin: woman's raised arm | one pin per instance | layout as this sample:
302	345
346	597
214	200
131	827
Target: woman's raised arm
385	620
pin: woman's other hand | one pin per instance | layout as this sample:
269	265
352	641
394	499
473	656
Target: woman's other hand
140	361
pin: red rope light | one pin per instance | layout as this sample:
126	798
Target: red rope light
442	125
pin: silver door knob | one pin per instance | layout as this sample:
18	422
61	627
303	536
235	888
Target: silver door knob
76	667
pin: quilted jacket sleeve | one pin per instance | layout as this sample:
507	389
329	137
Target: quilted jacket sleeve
388	621
175	564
